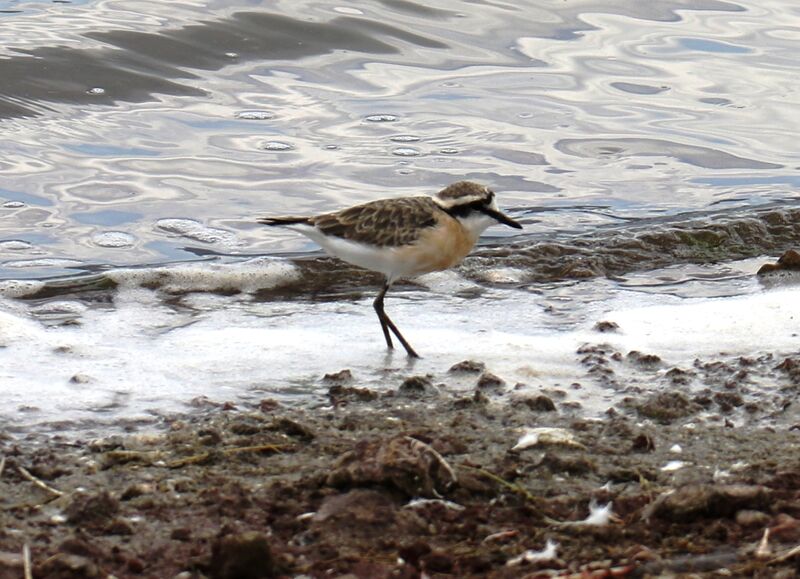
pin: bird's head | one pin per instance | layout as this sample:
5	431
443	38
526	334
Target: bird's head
473	205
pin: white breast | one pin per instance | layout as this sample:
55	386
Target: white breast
386	260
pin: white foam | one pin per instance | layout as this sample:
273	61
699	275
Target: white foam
113	239
195	230
247	276
17	288
142	355
45	262
765	321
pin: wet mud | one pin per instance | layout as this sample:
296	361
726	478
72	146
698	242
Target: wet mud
427	481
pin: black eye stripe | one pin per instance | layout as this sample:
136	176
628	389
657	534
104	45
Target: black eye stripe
467	208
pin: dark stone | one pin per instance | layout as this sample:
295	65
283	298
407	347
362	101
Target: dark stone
119	527
789	261
605	326
339	394
468	367
572	464
293	428
416	386
489	380
643	360
403	463
355	510
643	443
667	407
245	427
540	403
67	566
727	401
437	562
181	534
340	377
88	508
242	556
412	553
697	501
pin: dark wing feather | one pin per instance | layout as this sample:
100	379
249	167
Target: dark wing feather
283	220
385	223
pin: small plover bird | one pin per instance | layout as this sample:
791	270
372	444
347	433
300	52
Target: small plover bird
404	237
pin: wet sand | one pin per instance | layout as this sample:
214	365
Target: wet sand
421	480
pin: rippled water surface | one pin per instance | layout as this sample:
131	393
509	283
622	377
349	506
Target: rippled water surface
628	137
138	132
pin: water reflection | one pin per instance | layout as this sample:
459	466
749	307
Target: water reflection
163	129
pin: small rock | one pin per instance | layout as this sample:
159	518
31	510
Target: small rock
468	367
209	437
137	490
181	534
88	508
416	386
540	403
643	443
339	394
79	379
293	428
489	380
402	462
136	565
119	527
437	562
203	402
10	561
356	509
727	401
67	566
575	465
697	501
789	261
667	406
244	427
340	377
268	405
643	360
412	553
604	327
242	556
750	518
678	376
479	398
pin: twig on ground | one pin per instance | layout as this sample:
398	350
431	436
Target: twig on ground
114	457
26	561
205	456
498	479
38	482
2	464
785	556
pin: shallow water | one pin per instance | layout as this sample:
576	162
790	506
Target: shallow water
649	149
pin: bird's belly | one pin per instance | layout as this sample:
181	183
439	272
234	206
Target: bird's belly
436	249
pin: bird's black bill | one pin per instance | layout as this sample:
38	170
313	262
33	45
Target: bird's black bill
501	217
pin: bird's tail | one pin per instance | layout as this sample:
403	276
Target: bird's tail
284	220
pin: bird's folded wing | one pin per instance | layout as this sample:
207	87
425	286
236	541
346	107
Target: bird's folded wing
383	223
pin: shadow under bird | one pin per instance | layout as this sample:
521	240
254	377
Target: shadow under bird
404	237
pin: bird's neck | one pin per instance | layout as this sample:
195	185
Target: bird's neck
475	224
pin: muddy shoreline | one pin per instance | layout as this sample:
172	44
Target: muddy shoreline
416	480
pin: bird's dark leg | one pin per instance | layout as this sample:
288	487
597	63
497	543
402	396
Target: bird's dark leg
382	317
387	324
